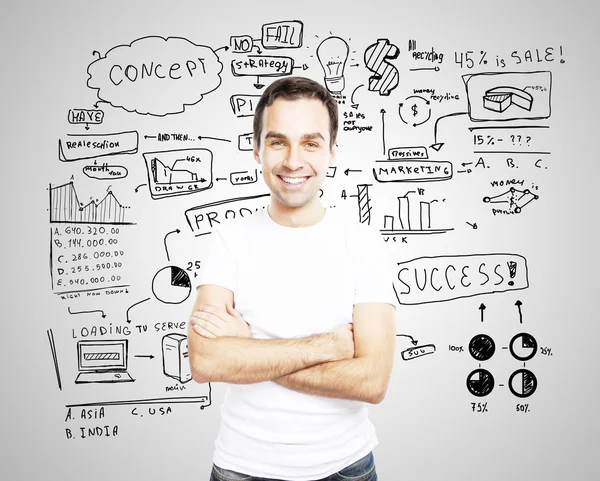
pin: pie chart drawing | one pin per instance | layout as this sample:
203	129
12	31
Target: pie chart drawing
522	383
482	347
523	346
480	382
171	285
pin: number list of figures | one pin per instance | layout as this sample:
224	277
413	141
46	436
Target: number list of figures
87	258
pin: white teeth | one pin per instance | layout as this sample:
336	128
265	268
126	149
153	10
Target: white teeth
294	180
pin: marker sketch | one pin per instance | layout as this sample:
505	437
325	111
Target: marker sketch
105	171
243	105
65	207
178	172
414	110
417	351
411	218
498	99
377	56
90	146
523	346
175	357
333	55
514	198
508	95
445	278
155	75
284	34
522	383
482	347
203	218
480	382
171	285
85	116
102	361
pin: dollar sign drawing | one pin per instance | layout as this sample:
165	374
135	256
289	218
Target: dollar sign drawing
386	75
414	110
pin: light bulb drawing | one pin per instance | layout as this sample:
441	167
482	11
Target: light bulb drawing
332	54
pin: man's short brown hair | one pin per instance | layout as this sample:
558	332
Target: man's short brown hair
294	88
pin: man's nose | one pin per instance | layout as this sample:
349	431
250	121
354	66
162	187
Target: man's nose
293	159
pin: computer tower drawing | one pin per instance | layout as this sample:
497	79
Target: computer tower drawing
175	357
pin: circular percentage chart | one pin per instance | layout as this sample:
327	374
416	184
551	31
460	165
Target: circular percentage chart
482	347
480	382
522	383
171	285
523	346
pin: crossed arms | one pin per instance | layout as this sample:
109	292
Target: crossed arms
351	362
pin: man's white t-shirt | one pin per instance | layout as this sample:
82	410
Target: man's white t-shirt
292	282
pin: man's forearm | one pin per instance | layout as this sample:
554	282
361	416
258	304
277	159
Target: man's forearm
246	360
346	379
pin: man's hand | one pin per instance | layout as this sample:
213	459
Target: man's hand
213	322
343	341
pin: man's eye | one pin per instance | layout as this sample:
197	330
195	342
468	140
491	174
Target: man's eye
312	145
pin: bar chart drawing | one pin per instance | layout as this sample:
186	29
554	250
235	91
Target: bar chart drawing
65	207
364	204
412	218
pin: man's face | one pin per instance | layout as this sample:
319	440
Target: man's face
294	150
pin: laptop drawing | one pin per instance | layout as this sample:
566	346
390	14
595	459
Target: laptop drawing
102	361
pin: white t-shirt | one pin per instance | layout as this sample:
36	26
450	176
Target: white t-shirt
291	282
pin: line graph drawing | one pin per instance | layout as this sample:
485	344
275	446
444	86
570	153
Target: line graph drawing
178	172
65	207
516	200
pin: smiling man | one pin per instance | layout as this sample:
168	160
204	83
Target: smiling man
295	310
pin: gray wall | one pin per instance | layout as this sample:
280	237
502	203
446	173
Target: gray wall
503	262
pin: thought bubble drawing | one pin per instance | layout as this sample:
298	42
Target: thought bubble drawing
155	76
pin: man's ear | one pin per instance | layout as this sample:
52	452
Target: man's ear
255	152
332	155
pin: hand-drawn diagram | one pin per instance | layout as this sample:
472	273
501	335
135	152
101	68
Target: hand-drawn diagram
171	285
417	351
85	116
480	382
89	146
178	172
377	56
286	34
105	171
409	220
155	75
202	218
102	361
175	357
158	77
437	279
482	347
65	207
410	164
508	96
516	200
498	99
523	346
522	383
333	55
416	109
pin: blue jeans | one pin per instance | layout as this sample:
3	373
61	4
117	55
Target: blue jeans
361	470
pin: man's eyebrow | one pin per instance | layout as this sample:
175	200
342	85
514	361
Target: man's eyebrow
278	135
275	135
316	135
